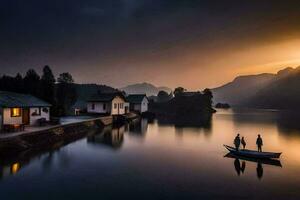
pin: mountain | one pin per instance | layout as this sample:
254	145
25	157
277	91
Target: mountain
144	88
282	93
281	90
241	88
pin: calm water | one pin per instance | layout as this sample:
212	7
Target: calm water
158	160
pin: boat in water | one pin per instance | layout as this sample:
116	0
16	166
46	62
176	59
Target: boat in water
252	153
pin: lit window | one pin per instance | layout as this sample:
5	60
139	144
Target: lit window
15	112
15	168
37	112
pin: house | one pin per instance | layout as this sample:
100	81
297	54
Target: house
79	107
22	109
108	103
138	102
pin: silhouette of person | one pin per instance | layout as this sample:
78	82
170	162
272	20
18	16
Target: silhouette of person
259	170
243	166
237	166
259	143
237	142
243	142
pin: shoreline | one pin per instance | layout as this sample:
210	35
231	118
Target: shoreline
44	139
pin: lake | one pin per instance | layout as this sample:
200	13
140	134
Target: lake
158	159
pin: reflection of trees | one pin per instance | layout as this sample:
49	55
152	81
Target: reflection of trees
110	136
288	122
184	121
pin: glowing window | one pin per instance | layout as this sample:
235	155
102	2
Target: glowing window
15	168
15	112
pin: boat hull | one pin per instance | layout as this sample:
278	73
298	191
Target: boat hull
252	154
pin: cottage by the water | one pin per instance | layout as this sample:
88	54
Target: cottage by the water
21	109
138	102
108	103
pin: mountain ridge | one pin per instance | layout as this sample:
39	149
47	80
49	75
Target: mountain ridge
260	90
144	88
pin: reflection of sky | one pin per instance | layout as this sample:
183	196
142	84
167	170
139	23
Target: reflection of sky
164	163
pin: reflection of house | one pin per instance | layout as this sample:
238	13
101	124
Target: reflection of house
138	102
107	103
138	127
22	109
112	137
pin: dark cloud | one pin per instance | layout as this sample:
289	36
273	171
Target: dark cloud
124	35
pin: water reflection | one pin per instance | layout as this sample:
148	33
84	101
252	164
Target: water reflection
240	168
181	122
110	136
138	127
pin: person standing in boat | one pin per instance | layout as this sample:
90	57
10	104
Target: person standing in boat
259	143
243	142
237	142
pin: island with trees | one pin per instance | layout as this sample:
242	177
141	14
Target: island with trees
182	106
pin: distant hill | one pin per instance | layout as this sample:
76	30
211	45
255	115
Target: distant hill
278	91
282	93
241	88
144	88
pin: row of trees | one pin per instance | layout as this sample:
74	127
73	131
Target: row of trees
163	96
60	92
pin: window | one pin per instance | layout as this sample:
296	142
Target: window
104	106
93	106
36	112
15	112
115	106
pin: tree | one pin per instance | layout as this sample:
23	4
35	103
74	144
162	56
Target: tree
162	96
32	83
208	92
66	94
208	95
18	83
65	78
179	90
48	85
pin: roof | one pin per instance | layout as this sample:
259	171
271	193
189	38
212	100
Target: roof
136	98
79	104
12	99
104	97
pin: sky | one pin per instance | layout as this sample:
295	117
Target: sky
190	43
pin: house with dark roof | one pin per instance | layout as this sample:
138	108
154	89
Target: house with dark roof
138	102
22	109
108	103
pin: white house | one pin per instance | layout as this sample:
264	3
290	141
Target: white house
107	103
22	109
138	102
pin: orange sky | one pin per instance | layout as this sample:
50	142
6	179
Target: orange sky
193	44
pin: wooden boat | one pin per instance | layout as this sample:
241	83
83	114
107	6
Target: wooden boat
251	153
273	162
